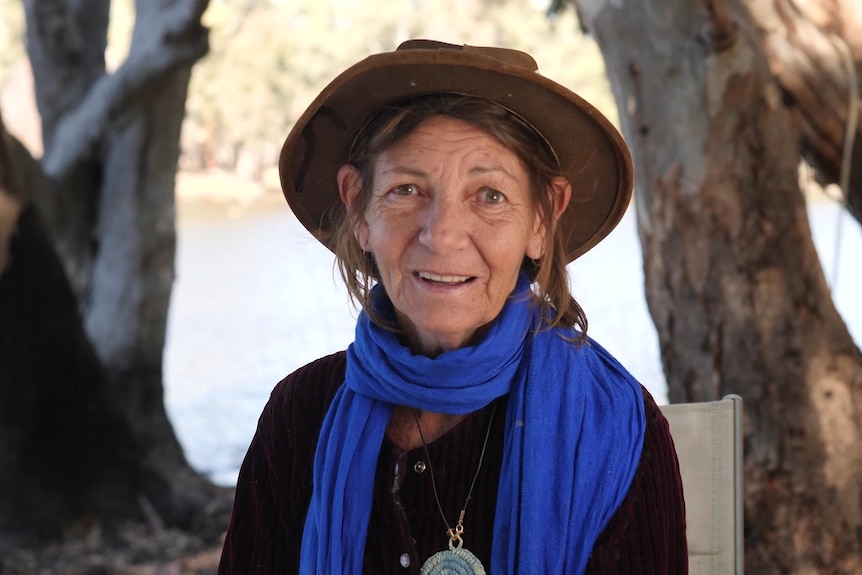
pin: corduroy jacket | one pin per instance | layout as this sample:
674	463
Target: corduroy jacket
646	535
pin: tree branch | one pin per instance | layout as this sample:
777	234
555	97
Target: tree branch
181	40
52	42
852	113
808	53
184	18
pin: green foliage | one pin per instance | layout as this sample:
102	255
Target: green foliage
270	58
11	35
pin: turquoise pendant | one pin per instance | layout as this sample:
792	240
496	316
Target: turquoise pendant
455	561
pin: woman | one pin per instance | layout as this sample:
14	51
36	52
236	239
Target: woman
471	427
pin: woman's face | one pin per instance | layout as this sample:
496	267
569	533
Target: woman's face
449	221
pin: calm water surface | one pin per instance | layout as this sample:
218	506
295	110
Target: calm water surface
256	298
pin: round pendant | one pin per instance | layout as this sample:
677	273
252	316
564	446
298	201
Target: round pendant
455	561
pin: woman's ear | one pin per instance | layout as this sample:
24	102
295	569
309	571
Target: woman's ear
561	193
349	188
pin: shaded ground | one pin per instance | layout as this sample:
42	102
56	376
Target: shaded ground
127	549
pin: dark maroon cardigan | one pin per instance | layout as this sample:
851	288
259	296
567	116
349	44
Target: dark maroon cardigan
646	535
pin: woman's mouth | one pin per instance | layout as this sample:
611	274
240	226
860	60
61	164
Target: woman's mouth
443	279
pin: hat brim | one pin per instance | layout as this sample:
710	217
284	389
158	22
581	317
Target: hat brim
592	154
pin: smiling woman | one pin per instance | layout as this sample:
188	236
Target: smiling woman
454	184
449	220
515	150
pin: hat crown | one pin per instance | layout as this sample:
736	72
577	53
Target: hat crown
503	55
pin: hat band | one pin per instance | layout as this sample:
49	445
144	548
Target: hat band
370	119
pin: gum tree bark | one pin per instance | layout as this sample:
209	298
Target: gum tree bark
85	286
814	51
733	282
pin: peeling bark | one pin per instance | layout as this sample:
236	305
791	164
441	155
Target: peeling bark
733	282
814	50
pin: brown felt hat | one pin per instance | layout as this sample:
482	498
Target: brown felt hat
592	154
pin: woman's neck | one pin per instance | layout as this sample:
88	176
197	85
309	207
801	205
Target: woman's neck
432	344
404	433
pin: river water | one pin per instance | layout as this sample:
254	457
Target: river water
255	298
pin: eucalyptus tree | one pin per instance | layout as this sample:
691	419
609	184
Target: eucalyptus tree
86	271
719	100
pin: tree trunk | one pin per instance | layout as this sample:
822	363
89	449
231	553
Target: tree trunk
66	451
733	281
85	429
814	50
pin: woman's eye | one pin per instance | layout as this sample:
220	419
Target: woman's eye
405	190
493	196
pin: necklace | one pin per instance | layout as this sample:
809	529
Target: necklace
456	559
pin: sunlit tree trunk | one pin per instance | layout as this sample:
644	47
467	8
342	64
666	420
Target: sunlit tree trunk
87	287
814	50
733	282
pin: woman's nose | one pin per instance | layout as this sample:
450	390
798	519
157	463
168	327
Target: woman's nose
445	225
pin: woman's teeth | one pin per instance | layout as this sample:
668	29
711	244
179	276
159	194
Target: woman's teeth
443	279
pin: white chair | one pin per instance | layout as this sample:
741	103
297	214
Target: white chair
708	440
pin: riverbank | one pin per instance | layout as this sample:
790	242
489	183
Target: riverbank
131	549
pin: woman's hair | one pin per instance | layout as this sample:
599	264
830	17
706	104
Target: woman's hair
396	122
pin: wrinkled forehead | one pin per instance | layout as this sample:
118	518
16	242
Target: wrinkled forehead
396	122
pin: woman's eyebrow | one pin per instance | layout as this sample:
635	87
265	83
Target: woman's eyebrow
492	168
406	170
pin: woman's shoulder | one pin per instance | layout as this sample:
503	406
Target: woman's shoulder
301	399
614	371
647	532
651	409
657	437
319	378
591	366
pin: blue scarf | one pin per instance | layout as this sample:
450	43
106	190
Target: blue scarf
573	438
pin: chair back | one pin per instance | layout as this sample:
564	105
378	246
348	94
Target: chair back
708	440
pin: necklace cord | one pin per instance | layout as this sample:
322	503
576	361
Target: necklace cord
455	534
